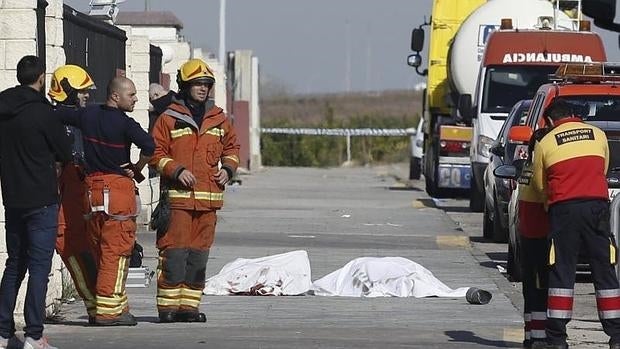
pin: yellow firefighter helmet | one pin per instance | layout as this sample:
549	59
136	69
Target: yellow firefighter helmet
77	78
195	70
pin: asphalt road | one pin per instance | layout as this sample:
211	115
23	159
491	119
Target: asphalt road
336	215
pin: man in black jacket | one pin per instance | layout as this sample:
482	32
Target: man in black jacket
33	144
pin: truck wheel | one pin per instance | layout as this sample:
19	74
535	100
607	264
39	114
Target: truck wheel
415	168
434	191
487	224
500	234
476	197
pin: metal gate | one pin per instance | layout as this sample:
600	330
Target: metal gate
41	40
155	64
97	46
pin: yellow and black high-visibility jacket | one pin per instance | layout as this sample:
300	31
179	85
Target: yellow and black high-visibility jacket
571	161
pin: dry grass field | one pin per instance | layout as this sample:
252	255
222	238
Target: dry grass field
312	109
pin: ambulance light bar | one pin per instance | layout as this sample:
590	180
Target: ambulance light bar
587	72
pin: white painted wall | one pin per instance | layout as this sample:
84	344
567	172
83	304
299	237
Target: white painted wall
137	69
171	44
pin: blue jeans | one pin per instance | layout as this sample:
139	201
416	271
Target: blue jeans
30	242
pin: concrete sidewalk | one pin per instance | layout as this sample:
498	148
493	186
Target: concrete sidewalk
336	215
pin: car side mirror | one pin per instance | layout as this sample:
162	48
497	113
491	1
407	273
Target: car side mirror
497	149
417	39
520	134
464	107
414	60
505	172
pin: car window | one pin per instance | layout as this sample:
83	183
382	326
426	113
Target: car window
536	108
517	117
521	81
613	139
595	108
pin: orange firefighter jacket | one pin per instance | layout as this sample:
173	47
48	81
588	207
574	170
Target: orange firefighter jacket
570	162
181	144
533	218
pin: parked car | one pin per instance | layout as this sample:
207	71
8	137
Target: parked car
417	152
498	190
597	98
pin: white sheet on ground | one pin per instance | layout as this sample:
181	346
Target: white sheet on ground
285	274
383	277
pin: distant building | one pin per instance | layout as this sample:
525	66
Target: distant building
163	28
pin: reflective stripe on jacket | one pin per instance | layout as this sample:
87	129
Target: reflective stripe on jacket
571	161
181	144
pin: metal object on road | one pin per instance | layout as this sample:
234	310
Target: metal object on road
477	296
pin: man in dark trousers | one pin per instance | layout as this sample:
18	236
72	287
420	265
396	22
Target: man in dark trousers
33	144
108	134
570	165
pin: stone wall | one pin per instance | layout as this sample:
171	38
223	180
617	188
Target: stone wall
137	69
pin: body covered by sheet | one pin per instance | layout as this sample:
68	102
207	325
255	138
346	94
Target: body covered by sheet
286	274
383	277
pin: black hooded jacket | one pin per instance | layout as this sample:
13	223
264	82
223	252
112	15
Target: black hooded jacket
32	140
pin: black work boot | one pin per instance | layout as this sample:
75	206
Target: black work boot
125	319
167	316
191	317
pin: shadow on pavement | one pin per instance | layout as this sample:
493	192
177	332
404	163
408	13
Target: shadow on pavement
405	188
470	337
456	209
480	239
492	264
83	321
498	256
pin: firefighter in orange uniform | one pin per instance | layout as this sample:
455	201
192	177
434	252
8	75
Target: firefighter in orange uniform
570	165
533	228
108	134
70	90
192	137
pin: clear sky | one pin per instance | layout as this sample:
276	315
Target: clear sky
308	46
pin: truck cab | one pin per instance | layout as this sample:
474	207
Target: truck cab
515	63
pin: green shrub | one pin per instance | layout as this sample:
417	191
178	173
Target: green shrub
326	151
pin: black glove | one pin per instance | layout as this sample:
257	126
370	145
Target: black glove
160	218
136	256
72	98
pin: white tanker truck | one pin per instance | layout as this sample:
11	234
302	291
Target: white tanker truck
478	69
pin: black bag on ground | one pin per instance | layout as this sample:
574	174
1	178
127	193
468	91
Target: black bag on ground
136	256
160	219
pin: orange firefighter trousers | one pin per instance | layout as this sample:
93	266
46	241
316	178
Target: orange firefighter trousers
112	228
183	255
73	244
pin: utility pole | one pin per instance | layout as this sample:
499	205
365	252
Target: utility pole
147	6
348	56
222	50
368	59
